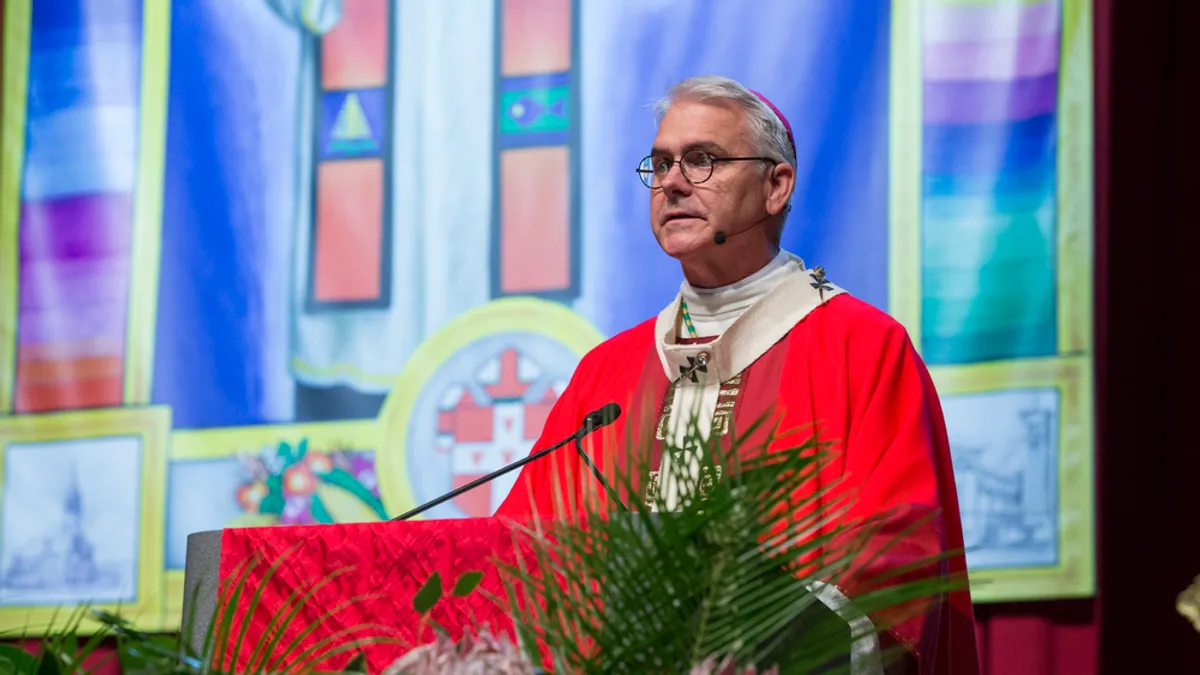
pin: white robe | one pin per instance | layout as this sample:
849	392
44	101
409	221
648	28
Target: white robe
441	190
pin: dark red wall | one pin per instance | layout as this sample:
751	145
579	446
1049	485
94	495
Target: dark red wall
1148	262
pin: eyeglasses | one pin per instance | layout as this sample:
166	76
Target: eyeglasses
696	166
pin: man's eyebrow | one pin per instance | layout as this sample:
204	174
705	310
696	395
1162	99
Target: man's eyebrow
707	146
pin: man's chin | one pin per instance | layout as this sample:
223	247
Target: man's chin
680	246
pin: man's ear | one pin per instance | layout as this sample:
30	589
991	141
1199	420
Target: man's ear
780	185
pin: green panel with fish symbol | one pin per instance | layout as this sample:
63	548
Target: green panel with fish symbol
541	110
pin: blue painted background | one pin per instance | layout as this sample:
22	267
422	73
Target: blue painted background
232	106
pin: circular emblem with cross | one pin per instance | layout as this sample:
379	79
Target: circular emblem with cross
474	398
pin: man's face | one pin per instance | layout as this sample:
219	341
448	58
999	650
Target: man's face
684	216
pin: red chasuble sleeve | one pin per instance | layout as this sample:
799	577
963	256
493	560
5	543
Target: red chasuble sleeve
870	395
554	486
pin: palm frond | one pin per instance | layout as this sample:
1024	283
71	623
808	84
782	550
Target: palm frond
732	570
60	650
281	648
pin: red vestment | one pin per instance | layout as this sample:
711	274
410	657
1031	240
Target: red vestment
846	372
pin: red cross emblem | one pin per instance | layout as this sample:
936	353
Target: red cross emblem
483	435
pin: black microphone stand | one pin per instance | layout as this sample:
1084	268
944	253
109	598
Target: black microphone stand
592	465
593	421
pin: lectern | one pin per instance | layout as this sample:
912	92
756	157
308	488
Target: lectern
201	578
374	570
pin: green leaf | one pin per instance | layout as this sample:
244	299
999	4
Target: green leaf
273	502
358	664
341	478
320	514
50	663
467	583
15	658
70	644
429	595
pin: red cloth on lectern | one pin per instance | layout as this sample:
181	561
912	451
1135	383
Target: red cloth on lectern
387	562
847	370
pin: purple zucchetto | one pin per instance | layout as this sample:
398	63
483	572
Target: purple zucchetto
786	125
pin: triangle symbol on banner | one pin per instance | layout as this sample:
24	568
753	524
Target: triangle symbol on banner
351	123
351	133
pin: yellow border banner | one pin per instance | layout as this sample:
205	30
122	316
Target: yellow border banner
151	425
18	15
904	168
1071	378
148	201
1069	371
1076	187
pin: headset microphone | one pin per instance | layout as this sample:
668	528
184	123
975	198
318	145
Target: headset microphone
720	237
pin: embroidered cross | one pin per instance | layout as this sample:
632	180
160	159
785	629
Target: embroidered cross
679	453
652	489
697	364
819	281
709	476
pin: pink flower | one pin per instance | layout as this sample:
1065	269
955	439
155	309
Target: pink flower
320	464
299	480
481	655
250	496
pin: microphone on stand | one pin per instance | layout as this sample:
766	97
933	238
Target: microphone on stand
594	420
603	416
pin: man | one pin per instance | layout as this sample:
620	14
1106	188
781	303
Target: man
753	331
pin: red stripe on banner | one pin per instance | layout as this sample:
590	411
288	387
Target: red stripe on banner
348	256
535	219
43	371
35	398
354	55
537	37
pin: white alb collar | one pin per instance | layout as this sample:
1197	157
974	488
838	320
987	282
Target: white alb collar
762	325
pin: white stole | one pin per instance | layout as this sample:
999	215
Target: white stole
699	370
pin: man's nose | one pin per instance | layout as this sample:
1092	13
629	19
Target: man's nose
674	182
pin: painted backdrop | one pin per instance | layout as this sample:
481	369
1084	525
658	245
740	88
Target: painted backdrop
316	261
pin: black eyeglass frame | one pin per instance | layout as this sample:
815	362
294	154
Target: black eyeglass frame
712	159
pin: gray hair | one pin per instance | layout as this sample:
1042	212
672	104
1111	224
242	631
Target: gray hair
767	133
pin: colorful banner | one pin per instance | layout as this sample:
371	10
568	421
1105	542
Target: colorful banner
317	261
